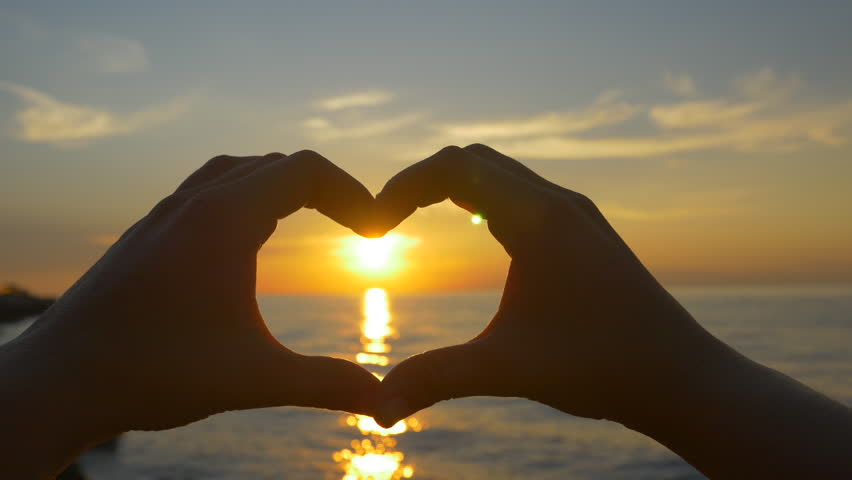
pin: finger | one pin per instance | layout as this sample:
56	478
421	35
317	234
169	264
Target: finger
513	206
223	168
516	167
512	165
280	377
212	169
422	380
334	384
249	167
306	179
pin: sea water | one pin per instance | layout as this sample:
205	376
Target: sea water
806	333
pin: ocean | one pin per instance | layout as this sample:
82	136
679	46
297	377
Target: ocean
806	333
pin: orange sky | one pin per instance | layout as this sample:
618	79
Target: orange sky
715	137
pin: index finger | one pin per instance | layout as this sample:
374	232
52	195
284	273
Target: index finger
307	179
512	205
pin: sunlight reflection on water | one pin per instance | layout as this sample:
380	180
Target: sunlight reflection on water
375	458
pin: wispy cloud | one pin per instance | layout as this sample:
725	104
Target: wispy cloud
759	117
93	51
323	129
112	53
766	85
618	212
759	90
681	84
368	98
605	111
694	204
568	148
47	120
700	114
772	134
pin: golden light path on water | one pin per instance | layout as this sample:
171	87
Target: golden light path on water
374	456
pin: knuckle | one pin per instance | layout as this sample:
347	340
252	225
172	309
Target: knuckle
454	158
309	159
220	161
450	151
307	155
205	204
586	204
477	148
169	204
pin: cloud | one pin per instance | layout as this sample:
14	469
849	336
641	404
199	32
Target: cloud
113	54
725	202
556	148
92	51
765	85
369	98
759	118
700	114
762	89
617	212
771	134
47	120
681	84
321	128
602	113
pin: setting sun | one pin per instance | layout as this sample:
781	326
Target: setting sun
375	253
376	256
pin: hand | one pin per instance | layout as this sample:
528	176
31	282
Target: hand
582	325
165	328
585	328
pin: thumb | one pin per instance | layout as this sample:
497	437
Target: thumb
422	380
286	378
333	384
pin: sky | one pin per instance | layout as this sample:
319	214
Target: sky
713	135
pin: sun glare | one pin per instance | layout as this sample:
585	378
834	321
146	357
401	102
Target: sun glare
376	256
376	458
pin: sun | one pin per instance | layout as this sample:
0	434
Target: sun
375	256
375	253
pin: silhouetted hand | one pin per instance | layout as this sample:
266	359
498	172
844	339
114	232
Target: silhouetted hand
165	329
582	325
585	328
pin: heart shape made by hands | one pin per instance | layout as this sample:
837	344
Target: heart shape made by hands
564	333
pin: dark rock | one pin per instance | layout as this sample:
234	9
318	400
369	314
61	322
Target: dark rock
73	472
110	445
16	303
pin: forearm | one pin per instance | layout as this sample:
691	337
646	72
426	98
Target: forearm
49	415
734	418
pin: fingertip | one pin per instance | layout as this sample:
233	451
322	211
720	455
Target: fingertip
390	411
372	232
370	224
388	212
337	384
274	156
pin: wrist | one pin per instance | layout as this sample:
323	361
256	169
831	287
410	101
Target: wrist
675	373
697	370
53	406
